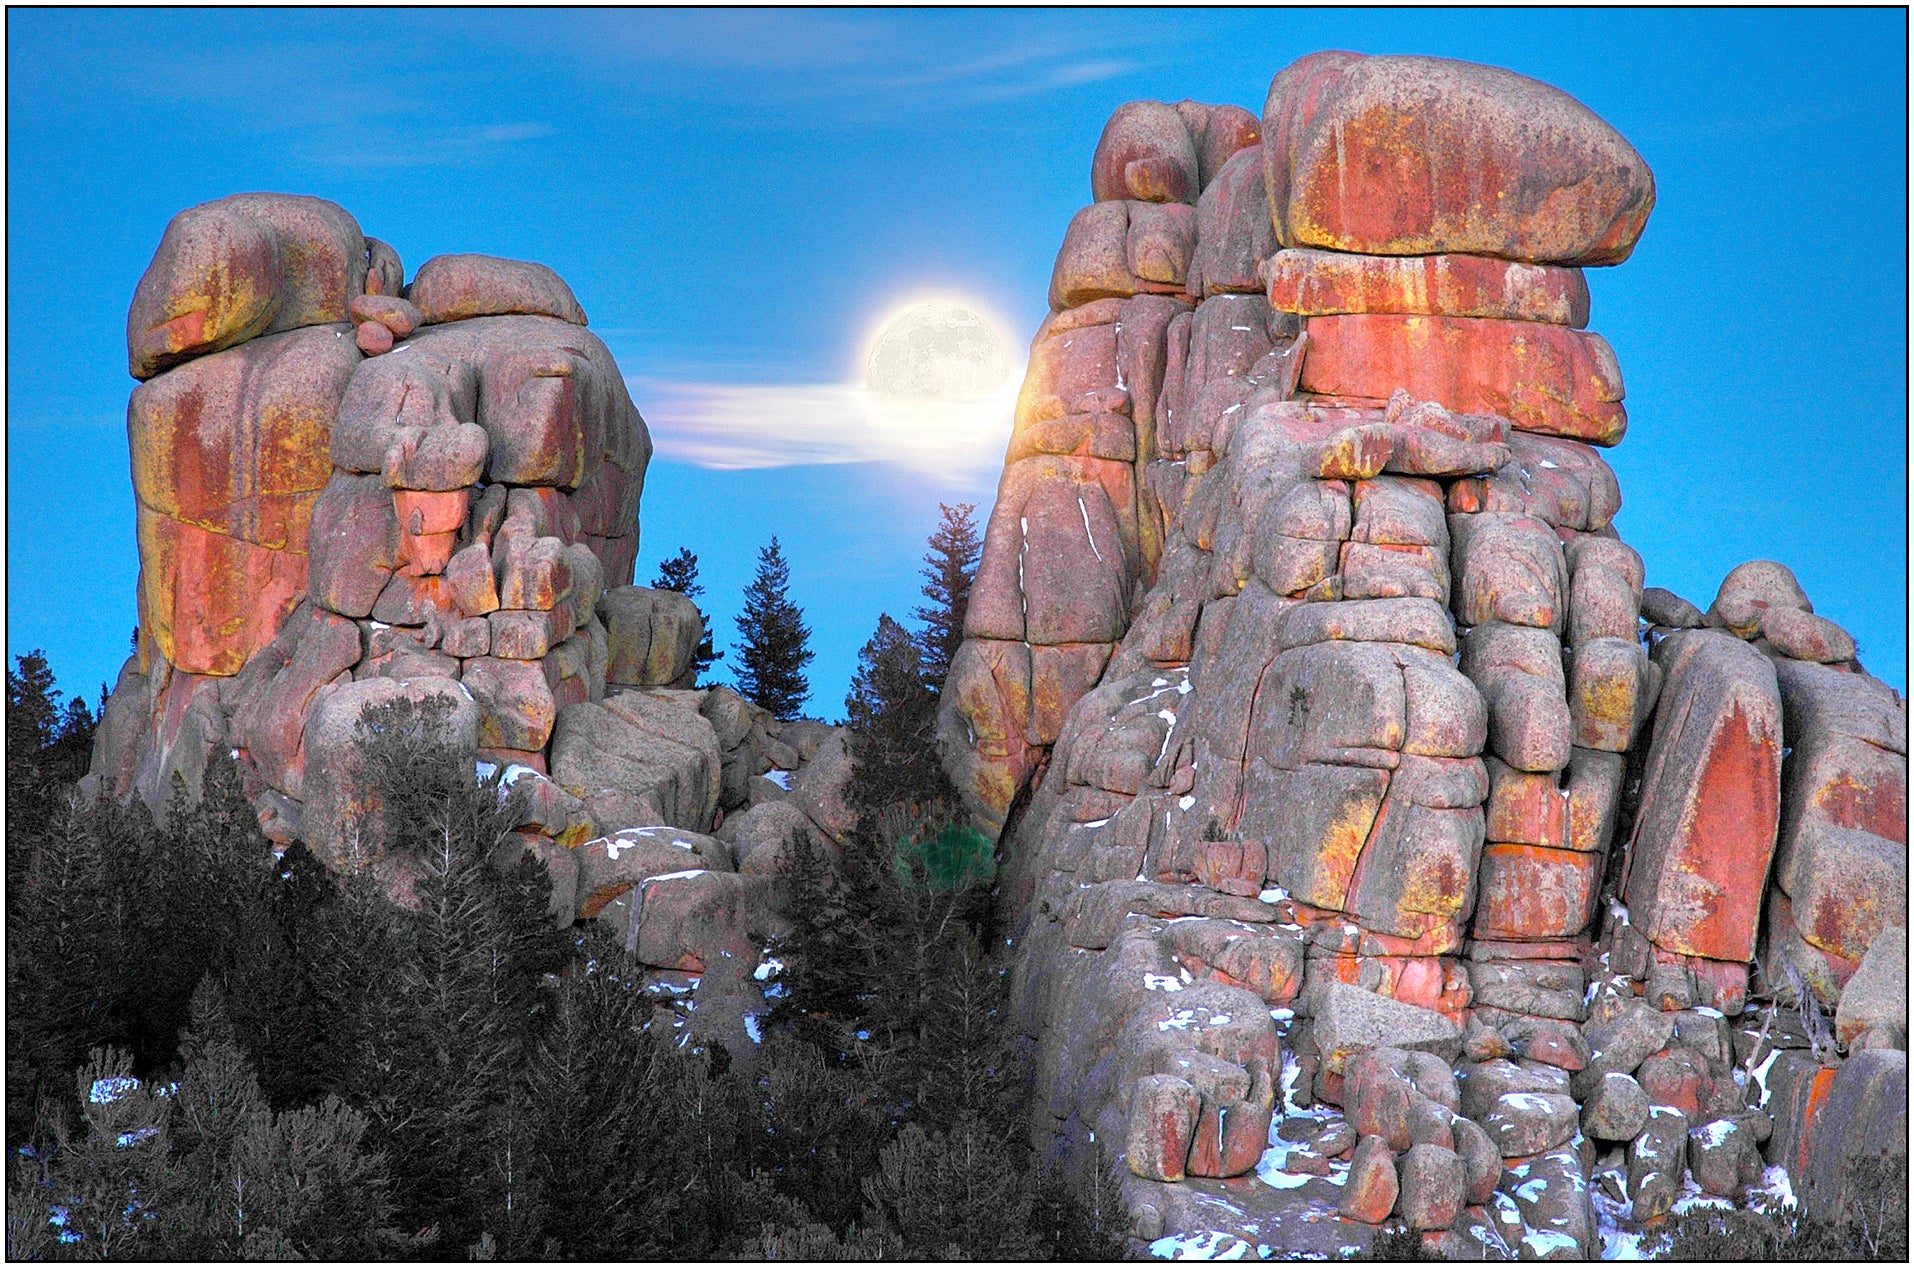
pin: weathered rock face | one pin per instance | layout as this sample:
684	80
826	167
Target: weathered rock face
1304	661
354	491
314	520
1427	156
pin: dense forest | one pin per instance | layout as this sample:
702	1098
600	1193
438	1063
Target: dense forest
216	1052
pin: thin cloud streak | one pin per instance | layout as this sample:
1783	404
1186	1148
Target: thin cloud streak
736	426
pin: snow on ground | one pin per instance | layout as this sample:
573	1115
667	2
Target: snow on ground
1761	1074
1617	1242
1271	1168
1692	1199
1210	1245
1775	1186
1544	1242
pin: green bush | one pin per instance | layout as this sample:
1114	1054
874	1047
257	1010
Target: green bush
956	856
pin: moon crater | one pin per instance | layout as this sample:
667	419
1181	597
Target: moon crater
936	349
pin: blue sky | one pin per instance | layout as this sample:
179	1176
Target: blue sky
739	198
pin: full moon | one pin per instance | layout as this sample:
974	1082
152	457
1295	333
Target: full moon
936	349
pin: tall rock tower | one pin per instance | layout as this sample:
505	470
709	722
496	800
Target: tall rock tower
1330	729
350	488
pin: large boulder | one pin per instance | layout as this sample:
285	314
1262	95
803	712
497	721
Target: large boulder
822	789
1749	591
608	866
239	267
1330	283
1544	378
1523	1123
548	397
457	287
1875	998
1404	155
342	823
1349	1019
1710	800
1233	235
766	836
1863	1117
229	457
691	919
1842	857
639	759
1145	153
654	636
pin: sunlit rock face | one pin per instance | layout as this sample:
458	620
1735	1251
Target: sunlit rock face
1339	752
356	491
342	477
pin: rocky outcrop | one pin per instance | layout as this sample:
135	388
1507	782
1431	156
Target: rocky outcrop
1305	662
354	490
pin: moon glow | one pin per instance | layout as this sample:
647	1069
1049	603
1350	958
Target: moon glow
936	349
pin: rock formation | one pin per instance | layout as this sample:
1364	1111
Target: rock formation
1367	825
353	489
1378	845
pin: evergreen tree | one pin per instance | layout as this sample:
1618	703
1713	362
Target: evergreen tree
955	1194
61	957
274	982
449	1032
680	573
830	950
775	644
33	707
42	741
949	568
892	715
594	1102
191	885
197	1170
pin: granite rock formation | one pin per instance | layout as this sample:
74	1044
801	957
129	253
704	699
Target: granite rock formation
1355	793
352	489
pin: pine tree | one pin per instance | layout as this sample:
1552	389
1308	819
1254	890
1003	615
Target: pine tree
680	573
775	644
447	1035
892	715
273	982
949	568
201	879
955	1194
199	1170
61	959
33	727
593	1099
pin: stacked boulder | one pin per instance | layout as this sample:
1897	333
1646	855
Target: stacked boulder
1157	332
353	489
1305	662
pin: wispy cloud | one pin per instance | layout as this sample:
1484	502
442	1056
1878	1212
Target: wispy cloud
502	132
729	426
927	63
381	143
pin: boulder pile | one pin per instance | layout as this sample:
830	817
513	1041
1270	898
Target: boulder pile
1352	784
353	489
